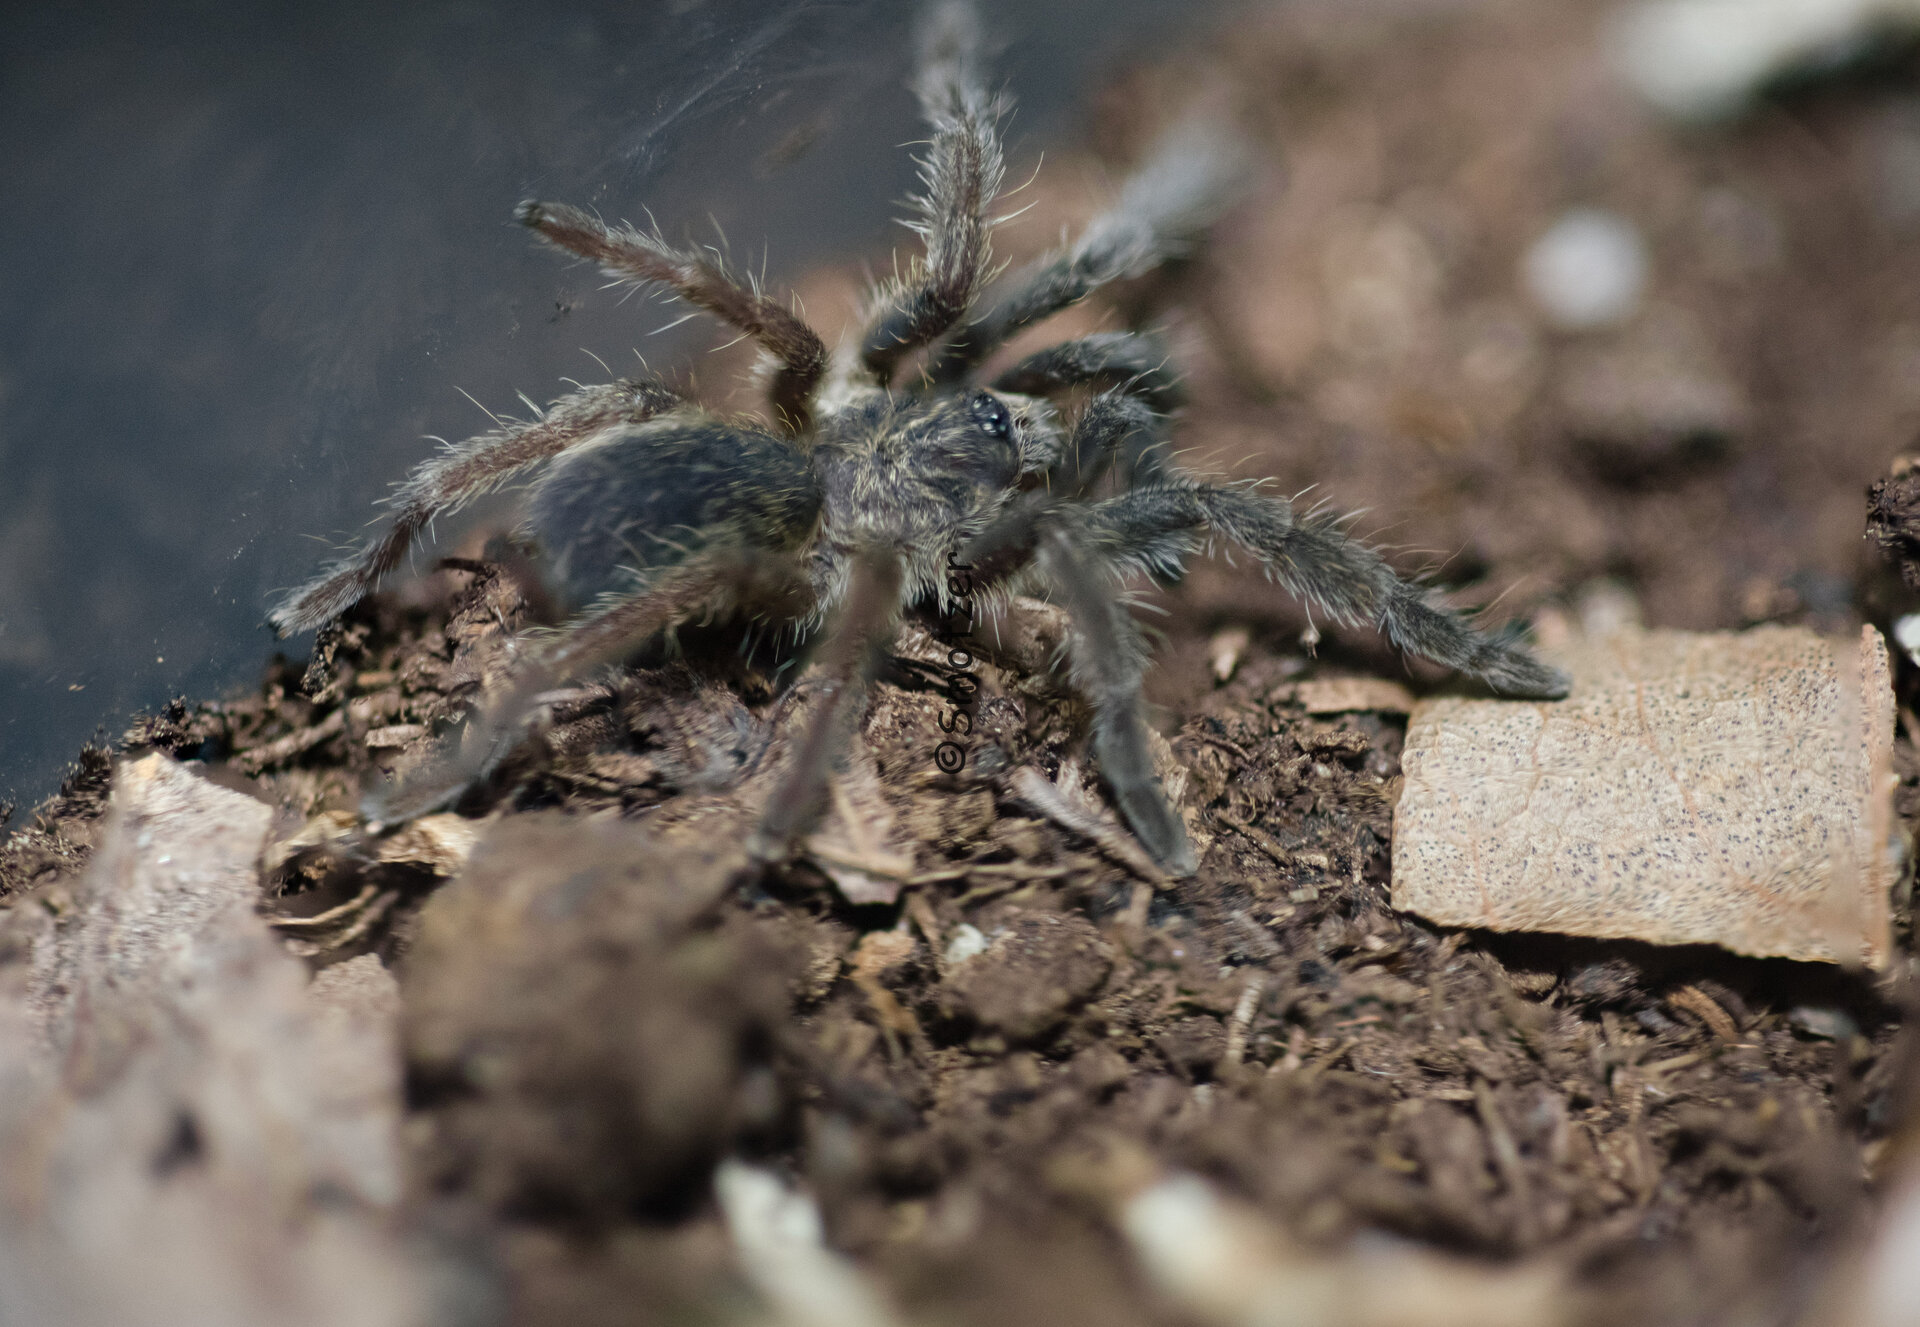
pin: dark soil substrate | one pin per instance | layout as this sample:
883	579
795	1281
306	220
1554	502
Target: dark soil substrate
1683	1129
1688	1135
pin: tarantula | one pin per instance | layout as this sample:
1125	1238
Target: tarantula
876	475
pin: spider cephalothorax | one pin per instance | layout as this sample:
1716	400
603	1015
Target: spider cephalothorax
849	508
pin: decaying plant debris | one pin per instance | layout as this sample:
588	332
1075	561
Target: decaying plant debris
970	1059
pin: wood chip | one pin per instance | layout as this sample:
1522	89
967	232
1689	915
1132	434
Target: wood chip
329	829
440	843
1346	695
395	735
1069	805
1729	789
1225	651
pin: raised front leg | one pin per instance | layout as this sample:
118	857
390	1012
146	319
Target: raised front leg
643	257
1182	187
960	175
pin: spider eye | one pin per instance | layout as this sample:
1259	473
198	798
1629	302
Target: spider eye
992	417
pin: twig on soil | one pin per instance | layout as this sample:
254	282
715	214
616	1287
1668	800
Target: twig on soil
923	917
1259	838
1241	1017
283	749
1033	788
365	910
1703	1006
1005	876
1135	919
322	920
1506	1153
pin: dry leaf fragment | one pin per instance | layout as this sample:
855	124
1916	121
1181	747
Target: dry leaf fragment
1069	805
1222	1263
780	1242
1225	651
877	952
440	843
1345	695
1729	789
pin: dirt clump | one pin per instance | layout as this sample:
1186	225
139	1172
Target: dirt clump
1032	972
585	1034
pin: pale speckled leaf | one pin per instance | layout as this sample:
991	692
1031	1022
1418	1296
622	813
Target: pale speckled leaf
1729	789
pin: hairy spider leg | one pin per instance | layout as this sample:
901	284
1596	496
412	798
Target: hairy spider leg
461	473
1121	430
721	580
643	257
1180	190
862	628
1154	527
960	174
1135	362
1106	656
1107	662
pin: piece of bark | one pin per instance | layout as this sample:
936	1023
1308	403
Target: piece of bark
192	1135
1729	789
440	844
1893	517
1346	695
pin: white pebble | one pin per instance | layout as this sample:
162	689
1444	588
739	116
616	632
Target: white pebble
1589	269
968	942
1705	59
1906	632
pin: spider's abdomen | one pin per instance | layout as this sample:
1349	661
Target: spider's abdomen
649	495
